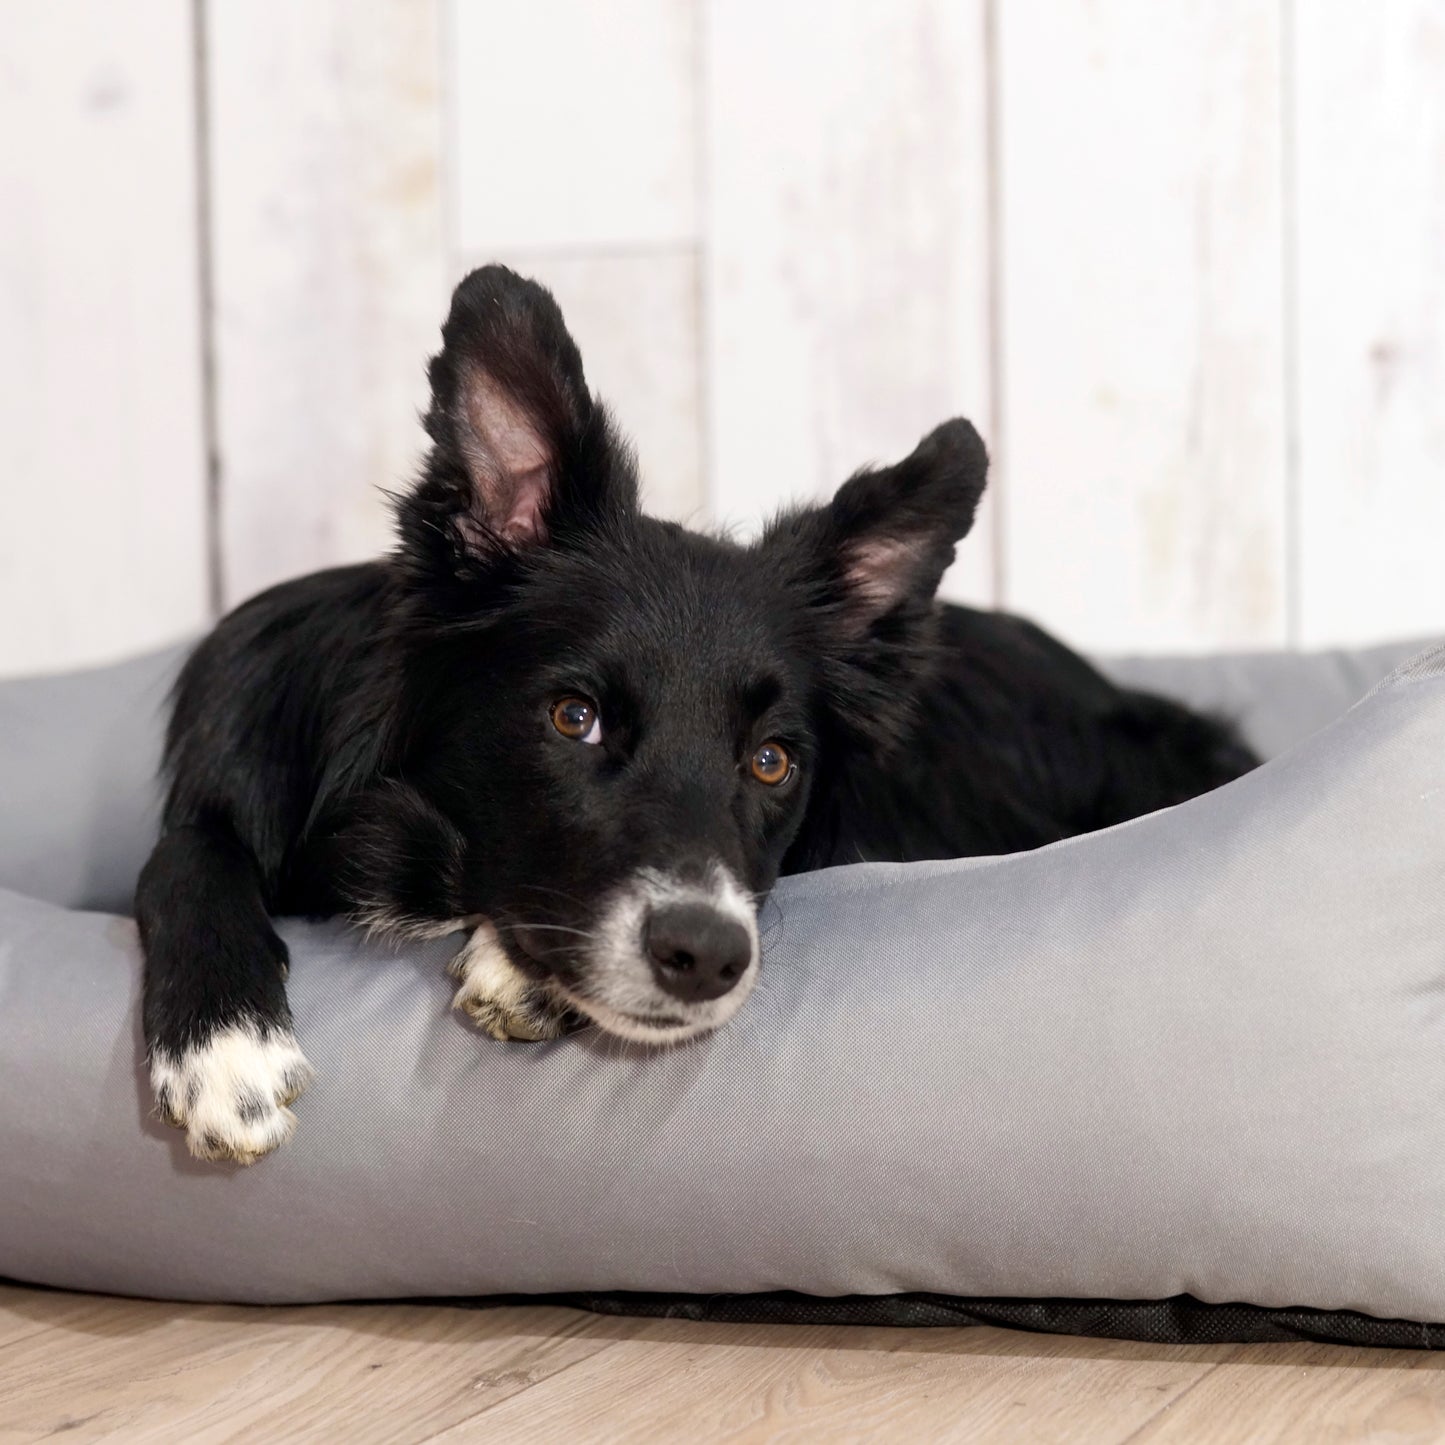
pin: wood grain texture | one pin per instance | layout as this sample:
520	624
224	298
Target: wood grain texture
1280	1394
102	503
325	123
573	124
846	281
1141	312
752	1385
136	1369
635	319
1369	130
92	1368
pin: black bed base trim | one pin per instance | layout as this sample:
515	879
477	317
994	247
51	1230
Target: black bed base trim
1180	1320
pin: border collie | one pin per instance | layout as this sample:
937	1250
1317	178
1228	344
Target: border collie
593	740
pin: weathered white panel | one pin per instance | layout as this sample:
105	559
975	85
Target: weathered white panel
573	123
1142	242
1370	240
102	502
635	321
846	289
329	285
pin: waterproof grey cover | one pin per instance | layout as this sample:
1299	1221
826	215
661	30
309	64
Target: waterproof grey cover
1199	1054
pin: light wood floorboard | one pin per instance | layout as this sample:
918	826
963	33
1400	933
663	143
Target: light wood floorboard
90	1368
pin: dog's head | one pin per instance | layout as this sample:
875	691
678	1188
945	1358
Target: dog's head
628	722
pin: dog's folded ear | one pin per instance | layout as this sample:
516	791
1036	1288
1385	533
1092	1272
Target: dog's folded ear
884	542
867	565
521	446
895	527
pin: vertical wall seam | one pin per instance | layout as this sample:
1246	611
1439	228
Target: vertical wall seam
994	266
448	177
702	252
1290	312
206	289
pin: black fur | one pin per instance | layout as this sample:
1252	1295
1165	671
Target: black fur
375	741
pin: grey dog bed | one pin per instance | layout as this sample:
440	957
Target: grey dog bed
1183	1079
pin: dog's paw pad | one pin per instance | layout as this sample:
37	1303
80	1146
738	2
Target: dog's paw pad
231	1093
501	1000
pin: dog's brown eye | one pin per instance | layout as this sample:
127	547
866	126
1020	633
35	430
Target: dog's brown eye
772	765
576	718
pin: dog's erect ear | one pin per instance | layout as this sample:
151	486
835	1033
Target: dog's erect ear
516	431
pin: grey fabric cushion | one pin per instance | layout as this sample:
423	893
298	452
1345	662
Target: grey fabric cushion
1198	1053
1277	698
78	796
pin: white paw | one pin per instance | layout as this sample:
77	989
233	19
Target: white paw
230	1093
499	998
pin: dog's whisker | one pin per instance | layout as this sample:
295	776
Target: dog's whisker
549	928
546	888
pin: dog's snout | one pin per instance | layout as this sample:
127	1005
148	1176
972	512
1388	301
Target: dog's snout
697	952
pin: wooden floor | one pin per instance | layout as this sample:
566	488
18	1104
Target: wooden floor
90	1368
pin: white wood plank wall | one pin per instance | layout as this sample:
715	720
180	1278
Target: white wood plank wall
1184	264
1368	245
848	269
329	272
574	158
103	545
1141	320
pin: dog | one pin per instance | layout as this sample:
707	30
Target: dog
594	740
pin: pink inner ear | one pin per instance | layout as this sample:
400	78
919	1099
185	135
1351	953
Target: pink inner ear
509	463
523	521
878	571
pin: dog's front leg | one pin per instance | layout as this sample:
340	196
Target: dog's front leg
395	864
224	1062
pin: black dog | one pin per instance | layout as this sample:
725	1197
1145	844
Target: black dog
594	739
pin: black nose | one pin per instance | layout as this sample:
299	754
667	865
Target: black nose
697	953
